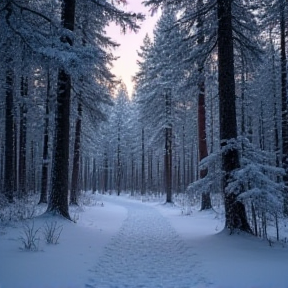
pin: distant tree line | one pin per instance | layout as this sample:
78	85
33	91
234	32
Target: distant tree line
208	116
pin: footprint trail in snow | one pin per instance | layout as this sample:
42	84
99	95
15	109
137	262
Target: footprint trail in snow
147	253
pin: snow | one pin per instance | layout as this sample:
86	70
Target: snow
66	264
129	243
231	261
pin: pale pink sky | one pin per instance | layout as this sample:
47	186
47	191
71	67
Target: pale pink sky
125	67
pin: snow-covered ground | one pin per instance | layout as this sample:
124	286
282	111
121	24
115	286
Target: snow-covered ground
127	243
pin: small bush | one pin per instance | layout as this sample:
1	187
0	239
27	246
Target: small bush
30	238
52	232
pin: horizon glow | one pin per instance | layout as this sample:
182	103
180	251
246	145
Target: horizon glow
126	65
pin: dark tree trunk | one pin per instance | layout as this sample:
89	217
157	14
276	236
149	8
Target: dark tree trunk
254	217
44	176
275	117
150	170
9	139
22	138
32	168
2	158
94	177
168	147
132	174
236	217
183	159
15	156
58	202
76	159
86	172
202	143
243	88
119	164
105	172
284	100
143	188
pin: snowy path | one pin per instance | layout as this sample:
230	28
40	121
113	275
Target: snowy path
146	253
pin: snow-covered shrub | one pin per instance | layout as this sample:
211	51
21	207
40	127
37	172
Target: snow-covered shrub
52	232
257	182
21	209
88	198
257	178
30	237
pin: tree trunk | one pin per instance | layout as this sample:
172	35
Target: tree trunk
132	175
168	147
86	174
236	217
22	138
183	158
94	177
119	164
143	188
254	217
9	138
32	174
44	177
58	202
275	116
284	101
76	160
15	155
106	173
202	143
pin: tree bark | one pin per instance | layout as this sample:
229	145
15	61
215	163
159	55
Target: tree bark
119	164
44	176
22	138
76	159
236	217
9	138
58	203
105	172
202	143
94	177
284	100
143	186
183	157
132	174
168	147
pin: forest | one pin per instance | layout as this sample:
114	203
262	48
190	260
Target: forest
207	120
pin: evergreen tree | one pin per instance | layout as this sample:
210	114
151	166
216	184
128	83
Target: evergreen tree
59	195
224	31
156	88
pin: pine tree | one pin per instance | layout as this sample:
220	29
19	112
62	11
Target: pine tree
59	195
224	31
156	88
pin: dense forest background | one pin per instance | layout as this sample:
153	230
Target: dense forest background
208	117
